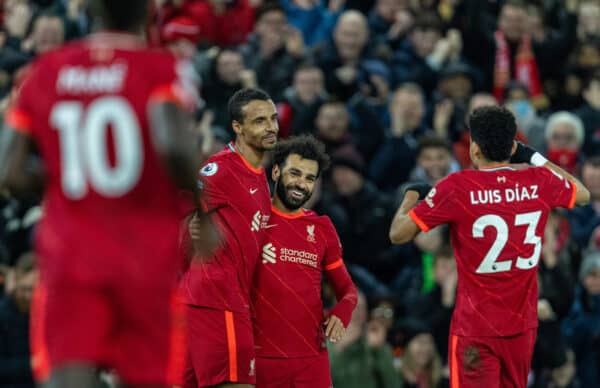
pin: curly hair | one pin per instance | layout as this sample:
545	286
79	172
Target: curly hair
493	128
306	146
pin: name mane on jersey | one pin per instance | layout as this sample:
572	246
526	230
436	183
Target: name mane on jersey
508	195
91	80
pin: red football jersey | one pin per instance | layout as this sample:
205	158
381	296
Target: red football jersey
287	289
497	218
237	196
109	200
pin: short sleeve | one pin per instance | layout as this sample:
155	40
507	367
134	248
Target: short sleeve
212	184
437	208
557	191
178	84
20	113
333	253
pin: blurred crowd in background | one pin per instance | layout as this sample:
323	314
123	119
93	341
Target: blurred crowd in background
387	85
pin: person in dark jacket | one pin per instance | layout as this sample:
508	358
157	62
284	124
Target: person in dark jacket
590	115
585	220
273	50
395	159
582	326
15	368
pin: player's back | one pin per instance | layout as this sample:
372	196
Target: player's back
497	218
107	192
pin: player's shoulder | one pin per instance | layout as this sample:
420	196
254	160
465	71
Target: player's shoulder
218	164
321	220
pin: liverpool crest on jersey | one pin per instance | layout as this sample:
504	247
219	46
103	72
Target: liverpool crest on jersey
310	230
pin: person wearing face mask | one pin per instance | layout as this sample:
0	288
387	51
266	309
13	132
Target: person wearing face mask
529	124
564	138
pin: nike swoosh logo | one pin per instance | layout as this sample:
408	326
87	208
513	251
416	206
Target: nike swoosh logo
252	191
269	226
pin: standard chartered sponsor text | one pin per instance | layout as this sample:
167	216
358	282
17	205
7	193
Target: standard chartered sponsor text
297	256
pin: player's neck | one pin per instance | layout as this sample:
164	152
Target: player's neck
278	204
252	155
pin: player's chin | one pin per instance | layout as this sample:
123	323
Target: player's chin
269	142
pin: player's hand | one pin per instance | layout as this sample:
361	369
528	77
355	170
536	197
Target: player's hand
334	328
204	234
420	187
523	154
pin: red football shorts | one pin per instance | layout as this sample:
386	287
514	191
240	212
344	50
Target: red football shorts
137	330
220	348
305	372
491	361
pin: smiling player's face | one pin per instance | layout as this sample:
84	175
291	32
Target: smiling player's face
259	127
295	181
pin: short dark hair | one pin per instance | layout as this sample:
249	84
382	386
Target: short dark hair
124	15
306	146
593	161
433	142
493	128
428	21
267	7
241	98
515	3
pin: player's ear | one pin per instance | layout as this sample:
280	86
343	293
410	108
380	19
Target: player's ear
237	127
275	172
514	147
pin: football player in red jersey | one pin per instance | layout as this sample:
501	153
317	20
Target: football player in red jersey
114	139
497	214
216	289
290	329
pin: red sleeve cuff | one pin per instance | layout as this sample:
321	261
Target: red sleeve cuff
171	93
18	120
418	221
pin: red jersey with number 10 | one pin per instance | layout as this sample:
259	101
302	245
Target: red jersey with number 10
109	201
497	218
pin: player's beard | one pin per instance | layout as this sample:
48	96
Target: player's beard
288	201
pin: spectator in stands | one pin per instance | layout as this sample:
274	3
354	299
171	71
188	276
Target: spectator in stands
390	21
363	359
15	368
225	75
396	158
556	284
589	20
517	99
590	115
298	111
221	23
434	304
434	160
582	325
421	365
48	33
509	53
559	372
361	214
75	16
273	50
333	127
585	220
314	19
455	85
564	138
343	59
421	56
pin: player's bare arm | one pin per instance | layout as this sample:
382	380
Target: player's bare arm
403	228
526	154
173	136
205	236
18	173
